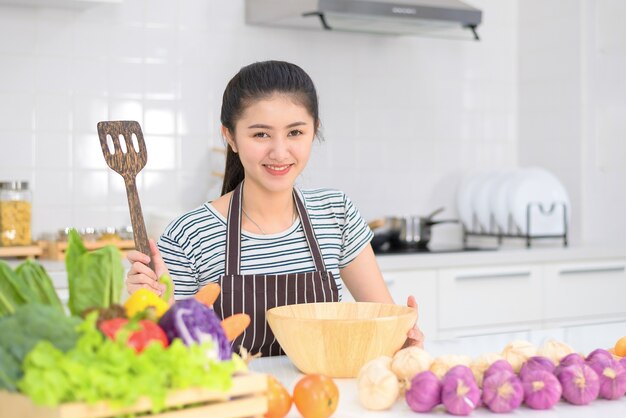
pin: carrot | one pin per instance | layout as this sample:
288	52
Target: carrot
208	294
235	325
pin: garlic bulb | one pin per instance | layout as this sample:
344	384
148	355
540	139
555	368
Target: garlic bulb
482	363
410	361
554	350
378	386
517	352
442	364
383	360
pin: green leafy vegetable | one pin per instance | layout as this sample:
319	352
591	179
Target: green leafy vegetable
95	278
36	278
21	331
98	368
13	291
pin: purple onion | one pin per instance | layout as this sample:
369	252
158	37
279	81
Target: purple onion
537	363
612	377
459	391
569	360
542	389
502	392
597	354
580	384
498	366
623	362
424	393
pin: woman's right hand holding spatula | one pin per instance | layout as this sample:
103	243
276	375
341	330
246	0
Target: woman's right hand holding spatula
141	275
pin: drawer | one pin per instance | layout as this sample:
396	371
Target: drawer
489	296
577	290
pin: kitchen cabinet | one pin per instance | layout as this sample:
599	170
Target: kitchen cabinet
514	292
423	285
489	296
584	290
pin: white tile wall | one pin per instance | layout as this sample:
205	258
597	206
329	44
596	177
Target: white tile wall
604	185
403	117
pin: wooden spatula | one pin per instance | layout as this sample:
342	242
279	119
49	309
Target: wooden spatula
128	162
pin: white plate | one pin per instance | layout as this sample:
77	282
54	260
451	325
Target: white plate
498	200
481	201
465	193
538	186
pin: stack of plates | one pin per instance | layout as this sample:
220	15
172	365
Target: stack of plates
497	202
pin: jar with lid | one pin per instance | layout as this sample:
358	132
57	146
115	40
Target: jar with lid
15	213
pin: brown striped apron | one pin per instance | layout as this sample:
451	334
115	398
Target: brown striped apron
254	294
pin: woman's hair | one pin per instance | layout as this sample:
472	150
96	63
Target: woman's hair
258	81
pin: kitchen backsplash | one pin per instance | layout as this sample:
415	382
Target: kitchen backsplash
403	118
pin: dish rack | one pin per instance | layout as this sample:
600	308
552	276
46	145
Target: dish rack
513	231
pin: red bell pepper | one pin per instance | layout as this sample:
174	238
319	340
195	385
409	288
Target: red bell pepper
139	338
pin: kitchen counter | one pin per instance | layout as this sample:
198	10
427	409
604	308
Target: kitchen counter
500	256
583	339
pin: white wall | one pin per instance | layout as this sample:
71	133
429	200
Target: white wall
604	146
550	94
403	117
572	107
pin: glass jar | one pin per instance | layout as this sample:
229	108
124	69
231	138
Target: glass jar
15	213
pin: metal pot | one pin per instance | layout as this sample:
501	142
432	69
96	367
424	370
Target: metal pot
407	231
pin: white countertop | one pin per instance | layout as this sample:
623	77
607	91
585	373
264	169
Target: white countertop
583	339
500	256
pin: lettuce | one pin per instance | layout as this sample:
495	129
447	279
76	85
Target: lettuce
98	368
95	278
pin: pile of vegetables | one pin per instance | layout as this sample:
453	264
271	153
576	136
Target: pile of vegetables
101	350
500	382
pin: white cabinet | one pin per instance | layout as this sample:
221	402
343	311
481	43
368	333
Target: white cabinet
423	285
465	301
489	296
584	290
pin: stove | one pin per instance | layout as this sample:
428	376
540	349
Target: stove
388	250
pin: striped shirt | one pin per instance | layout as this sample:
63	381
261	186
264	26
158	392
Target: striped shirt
193	246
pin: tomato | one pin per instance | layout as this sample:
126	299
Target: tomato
278	399
316	396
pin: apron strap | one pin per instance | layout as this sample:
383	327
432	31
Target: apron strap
233	232
309	234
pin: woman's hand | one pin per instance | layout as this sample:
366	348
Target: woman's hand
415	335
141	276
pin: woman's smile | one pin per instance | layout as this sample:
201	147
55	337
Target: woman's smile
277	169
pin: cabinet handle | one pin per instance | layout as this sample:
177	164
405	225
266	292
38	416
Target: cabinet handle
608	269
493	275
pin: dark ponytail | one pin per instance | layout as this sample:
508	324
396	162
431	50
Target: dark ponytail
255	82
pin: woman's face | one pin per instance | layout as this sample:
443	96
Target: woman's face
273	138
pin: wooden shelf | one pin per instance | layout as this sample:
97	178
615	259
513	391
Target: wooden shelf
28	251
54	250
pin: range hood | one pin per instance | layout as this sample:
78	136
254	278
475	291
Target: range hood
438	18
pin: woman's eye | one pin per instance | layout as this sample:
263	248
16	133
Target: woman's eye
260	135
295	132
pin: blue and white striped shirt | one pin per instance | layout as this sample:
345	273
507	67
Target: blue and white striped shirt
193	246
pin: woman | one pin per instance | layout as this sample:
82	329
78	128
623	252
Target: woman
265	242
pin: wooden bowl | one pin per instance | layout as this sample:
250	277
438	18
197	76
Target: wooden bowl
337	338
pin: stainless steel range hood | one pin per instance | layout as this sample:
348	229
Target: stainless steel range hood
438	18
